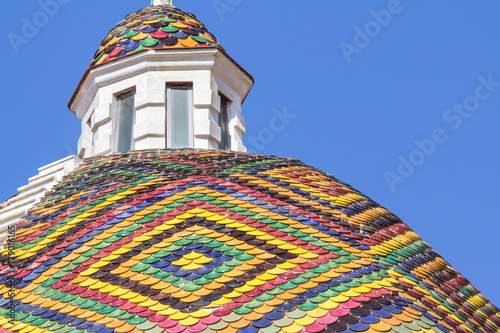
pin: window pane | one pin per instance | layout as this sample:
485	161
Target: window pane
179	113
126	123
224	135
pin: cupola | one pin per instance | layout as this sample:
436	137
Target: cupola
205	240
160	79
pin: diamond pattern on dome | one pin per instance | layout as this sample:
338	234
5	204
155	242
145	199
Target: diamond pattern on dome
213	241
159	27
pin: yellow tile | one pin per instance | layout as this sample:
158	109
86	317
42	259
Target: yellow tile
294	328
305	321
178	315
139	299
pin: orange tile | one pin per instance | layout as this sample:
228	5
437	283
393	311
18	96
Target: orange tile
393	321
125	328
240	323
252	316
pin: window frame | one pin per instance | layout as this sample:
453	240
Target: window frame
168	112
117	99
90	126
227	102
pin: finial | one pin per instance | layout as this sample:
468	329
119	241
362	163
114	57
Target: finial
160	2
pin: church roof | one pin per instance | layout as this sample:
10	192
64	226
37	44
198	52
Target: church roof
216	241
154	28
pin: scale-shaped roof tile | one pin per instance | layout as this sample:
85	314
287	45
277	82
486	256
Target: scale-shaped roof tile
215	241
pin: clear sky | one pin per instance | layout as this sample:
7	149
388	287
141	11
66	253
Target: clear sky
400	99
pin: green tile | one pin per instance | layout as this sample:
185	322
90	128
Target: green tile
156	329
329	293
352	284
296	314
126	316
319	269
46	324
39	290
219	326
253	304
22	316
223	269
151	270
242	310
265	296
116	313
288	285
38	321
59	295
49	282
139	267
150	260
309	275
199	39
245	257
98	306
318	299
78	301
49	293
401	329
146	325
107	310
191	287
299	280
87	304
183	242
276	291
307	306
136	320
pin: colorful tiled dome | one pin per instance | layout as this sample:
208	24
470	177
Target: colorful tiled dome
211	241
158	27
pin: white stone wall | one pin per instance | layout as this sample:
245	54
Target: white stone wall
30	194
209	70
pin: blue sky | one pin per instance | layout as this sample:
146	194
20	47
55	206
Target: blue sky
400	99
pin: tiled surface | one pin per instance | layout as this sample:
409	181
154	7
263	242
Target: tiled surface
159	27
211	241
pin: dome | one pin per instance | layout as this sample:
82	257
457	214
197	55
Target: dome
217	241
153	28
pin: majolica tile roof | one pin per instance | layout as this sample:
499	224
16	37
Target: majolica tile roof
211	241
159	27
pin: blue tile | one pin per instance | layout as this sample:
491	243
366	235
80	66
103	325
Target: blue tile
359	327
370	319
95	328
382	313
84	325
274	315
262	322
249	329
